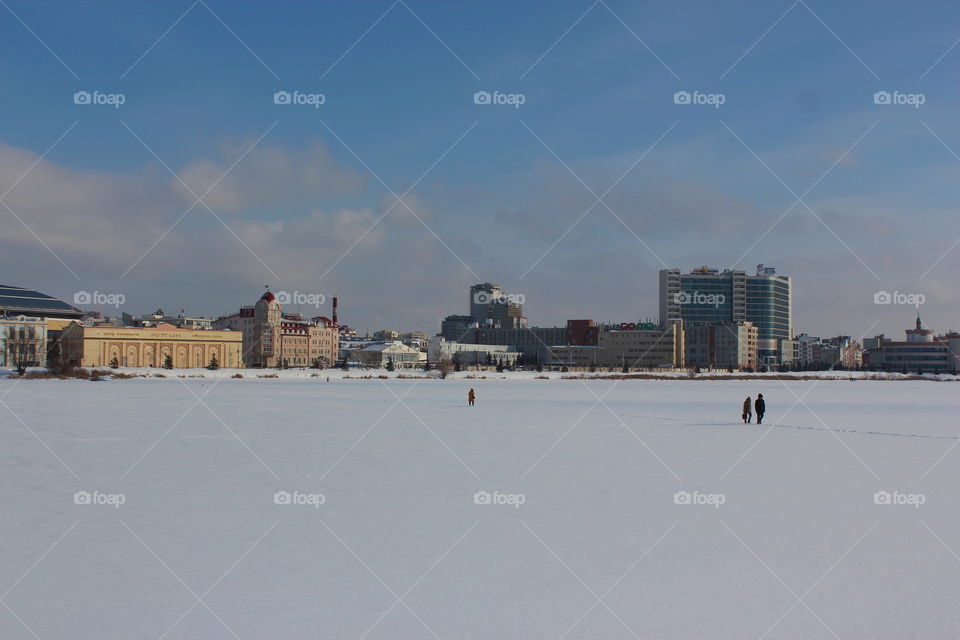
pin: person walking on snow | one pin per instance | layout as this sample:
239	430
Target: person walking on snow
759	407
471	396
747	412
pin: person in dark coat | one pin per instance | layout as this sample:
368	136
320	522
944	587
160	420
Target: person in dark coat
471	396
747	411
759	407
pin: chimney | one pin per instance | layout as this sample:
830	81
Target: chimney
335	323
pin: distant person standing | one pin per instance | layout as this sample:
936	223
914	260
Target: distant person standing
747	411
471	396
760	407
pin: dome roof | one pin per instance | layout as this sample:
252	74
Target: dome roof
267	296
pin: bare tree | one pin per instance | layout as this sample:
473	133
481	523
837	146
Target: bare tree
445	366
23	352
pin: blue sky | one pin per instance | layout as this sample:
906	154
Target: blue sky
498	190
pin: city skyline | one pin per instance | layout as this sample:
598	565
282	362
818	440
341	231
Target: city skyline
567	153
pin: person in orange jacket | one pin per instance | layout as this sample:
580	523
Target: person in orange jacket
471	396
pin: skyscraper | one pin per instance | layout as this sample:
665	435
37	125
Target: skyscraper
708	296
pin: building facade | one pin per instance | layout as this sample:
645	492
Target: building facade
87	346
378	356
23	341
630	349
533	342
468	354
491	307
921	352
709	296
272	339
724	345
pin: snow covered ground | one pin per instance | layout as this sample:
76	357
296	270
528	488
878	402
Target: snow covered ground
300	508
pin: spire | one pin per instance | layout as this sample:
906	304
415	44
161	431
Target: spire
919	324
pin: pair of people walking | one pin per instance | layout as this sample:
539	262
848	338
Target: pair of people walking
759	406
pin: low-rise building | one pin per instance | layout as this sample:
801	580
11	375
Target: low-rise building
631	348
467	354
150	346
158	317
921	352
378	356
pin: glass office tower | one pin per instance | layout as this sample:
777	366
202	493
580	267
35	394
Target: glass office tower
708	296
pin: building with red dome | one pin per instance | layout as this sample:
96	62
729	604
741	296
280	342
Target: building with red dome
274	339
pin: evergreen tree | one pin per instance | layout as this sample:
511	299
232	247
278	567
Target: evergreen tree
500	365
167	362
114	363
390	365
214	364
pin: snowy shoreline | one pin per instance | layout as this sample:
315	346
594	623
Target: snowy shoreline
418	374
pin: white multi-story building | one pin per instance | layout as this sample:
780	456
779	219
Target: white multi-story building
441	349
378	356
23	340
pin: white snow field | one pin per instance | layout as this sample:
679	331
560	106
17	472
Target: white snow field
379	534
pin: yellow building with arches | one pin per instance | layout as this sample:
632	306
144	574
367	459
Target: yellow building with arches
85	346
